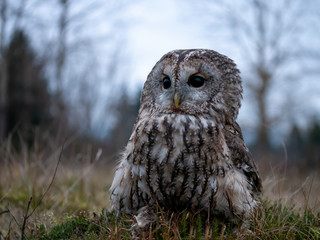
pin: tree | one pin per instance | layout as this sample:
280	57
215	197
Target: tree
312	149
304	145
80	61
296	144
3	71
28	97
10	15
77	64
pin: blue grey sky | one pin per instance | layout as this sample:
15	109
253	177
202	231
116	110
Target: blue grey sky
113	43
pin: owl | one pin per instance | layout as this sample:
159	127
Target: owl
186	150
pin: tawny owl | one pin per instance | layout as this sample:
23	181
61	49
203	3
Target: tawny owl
186	150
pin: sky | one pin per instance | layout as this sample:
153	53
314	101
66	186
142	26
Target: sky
161	28
142	31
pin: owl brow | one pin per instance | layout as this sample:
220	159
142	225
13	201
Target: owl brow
181	58
164	75
199	71
200	67
195	74
215	73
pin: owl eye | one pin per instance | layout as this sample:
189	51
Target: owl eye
166	83
196	81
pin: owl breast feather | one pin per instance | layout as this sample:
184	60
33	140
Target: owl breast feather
175	160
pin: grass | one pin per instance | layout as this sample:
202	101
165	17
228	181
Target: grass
273	222
76	204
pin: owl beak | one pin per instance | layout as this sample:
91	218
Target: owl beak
177	100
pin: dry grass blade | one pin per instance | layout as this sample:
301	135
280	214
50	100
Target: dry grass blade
49	186
25	218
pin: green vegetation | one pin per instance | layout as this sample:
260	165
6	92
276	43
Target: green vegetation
273	221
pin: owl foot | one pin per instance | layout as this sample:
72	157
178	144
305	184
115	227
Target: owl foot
144	221
242	230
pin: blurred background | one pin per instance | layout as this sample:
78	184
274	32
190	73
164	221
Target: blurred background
71	71
77	67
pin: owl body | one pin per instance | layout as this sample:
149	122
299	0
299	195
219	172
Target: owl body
186	150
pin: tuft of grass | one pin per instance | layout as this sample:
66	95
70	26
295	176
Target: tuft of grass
272	221
276	221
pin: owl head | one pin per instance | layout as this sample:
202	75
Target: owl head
193	81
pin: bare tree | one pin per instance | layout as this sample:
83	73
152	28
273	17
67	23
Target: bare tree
79	66
273	39
62	43
78	57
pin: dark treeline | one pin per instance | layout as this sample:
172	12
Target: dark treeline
29	102
303	146
299	148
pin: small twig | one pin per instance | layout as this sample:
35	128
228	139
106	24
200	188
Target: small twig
14	218
25	219
9	231
4	211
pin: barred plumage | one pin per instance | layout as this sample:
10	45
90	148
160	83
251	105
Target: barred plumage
186	150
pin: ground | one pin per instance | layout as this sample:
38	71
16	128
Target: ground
76	204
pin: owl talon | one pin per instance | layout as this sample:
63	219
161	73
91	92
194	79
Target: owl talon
144	220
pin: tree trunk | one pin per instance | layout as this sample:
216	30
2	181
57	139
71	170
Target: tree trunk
60	65
264	78
263	129
3	74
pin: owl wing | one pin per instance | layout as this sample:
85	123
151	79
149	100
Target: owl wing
241	157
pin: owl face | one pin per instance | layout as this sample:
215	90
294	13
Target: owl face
189	82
